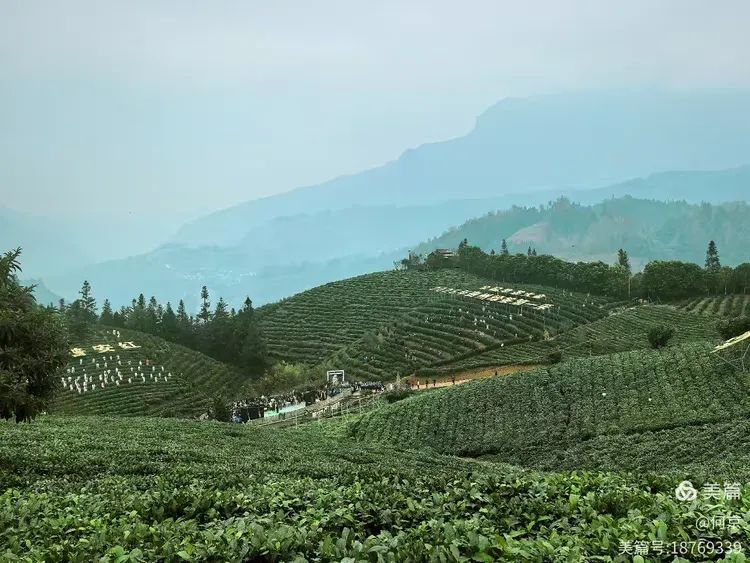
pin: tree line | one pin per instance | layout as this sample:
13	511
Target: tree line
660	280
225	334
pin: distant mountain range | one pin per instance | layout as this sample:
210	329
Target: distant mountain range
562	142
523	152
296	253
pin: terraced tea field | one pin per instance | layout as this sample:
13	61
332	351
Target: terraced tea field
726	306
312	325
620	331
382	325
130	490
531	419
156	378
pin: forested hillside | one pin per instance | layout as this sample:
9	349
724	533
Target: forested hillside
649	230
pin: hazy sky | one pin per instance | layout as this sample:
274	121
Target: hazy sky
186	107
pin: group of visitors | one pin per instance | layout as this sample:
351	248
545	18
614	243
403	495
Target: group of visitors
415	383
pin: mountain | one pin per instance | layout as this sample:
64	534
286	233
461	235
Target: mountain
55	243
42	294
647	229
47	249
561	142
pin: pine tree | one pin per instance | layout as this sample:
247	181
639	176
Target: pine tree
81	313
168	327
713	264
152	316
184	325
205	313
528	252
251	348
533	252
504	248
107	317
182	316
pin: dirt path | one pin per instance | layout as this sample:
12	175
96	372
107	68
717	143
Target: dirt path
471	375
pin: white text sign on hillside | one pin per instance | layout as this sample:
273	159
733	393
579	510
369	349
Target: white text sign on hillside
103	348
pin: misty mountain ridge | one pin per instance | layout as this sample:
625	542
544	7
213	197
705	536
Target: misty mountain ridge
564	142
647	229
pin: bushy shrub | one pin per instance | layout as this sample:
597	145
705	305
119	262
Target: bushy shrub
659	336
555	356
397	395
220	409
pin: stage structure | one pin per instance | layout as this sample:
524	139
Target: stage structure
335	377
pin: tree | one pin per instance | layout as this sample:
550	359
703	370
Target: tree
528	252
504	248
248	339
623	260
412	262
184	325
82	313
107	317
713	264
33	346
205	313
220	409
672	280
169	328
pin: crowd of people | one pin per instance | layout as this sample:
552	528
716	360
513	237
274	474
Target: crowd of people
263	406
258	407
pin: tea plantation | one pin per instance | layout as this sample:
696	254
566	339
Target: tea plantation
309	326
620	331
157	378
559	416
729	305
395	323
117	489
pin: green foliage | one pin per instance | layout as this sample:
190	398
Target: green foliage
555	356
90	489
673	280
81	314
228	336
397	395
220	409
729	328
33	346
659	336
533	418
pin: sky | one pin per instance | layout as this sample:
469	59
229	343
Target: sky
177	108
